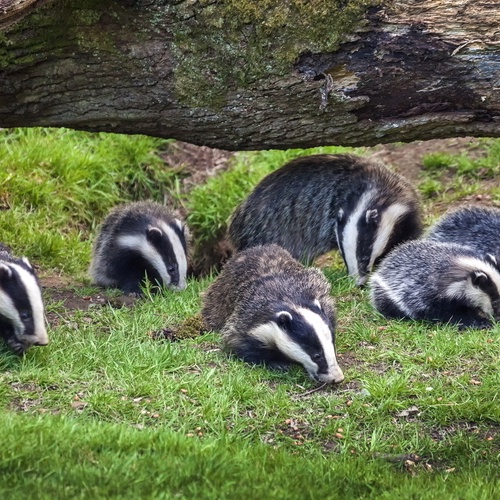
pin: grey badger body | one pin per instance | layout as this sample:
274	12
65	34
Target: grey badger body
475	226
272	310
440	282
139	240
22	321
317	203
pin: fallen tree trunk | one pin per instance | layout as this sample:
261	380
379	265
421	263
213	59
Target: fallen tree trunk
254	75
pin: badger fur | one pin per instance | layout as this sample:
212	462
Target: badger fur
137	241
318	203
440	282
22	321
475	226
272	310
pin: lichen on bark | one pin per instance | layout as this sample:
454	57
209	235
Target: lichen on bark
231	44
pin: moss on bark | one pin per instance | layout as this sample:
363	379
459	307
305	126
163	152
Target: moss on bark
228	45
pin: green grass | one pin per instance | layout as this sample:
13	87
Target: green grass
65	182
106	411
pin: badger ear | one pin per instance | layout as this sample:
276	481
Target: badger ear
5	271
283	318
317	303
340	214
371	216
180	224
27	262
479	278
153	234
492	259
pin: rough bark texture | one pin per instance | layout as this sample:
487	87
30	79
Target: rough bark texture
195	71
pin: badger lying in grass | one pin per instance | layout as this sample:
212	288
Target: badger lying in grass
272	310
22	321
441	282
139	241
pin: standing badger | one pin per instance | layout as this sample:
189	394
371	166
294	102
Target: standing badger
472	225
22	321
441	282
317	203
272	310
138	241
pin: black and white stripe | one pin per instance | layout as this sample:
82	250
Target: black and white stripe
138	241
22	321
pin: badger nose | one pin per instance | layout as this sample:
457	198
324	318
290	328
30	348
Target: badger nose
335	376
42	342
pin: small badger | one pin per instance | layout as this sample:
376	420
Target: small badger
440	282
318	203
475	226
22	321
137	241
272	310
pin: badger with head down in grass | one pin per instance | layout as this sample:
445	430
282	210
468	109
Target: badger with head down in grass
272	310
439	282
475	226
22	321
137	242
322	202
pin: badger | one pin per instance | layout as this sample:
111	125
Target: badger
472	225
272	310
22	320
139	241
439	282
318	203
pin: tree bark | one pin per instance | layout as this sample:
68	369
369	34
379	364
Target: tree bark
254	75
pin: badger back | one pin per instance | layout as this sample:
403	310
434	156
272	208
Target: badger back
137	240
471	225
380	213
22	321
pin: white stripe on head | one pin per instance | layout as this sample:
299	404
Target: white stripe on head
180	254
324	334
140	244
466	290
350	233
389	219
34	293
271	335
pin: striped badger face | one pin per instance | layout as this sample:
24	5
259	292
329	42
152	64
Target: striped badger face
303	335
477	282
22	322
168	253
368	228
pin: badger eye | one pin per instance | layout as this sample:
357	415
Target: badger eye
171	269
316	356
25	315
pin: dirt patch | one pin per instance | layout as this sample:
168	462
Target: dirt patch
406	159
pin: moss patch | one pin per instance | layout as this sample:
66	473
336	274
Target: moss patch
223	46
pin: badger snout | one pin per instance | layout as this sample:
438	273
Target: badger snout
334	376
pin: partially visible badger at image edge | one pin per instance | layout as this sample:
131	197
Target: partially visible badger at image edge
475	226
272	310
318	203
22	320
439	282
137	241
